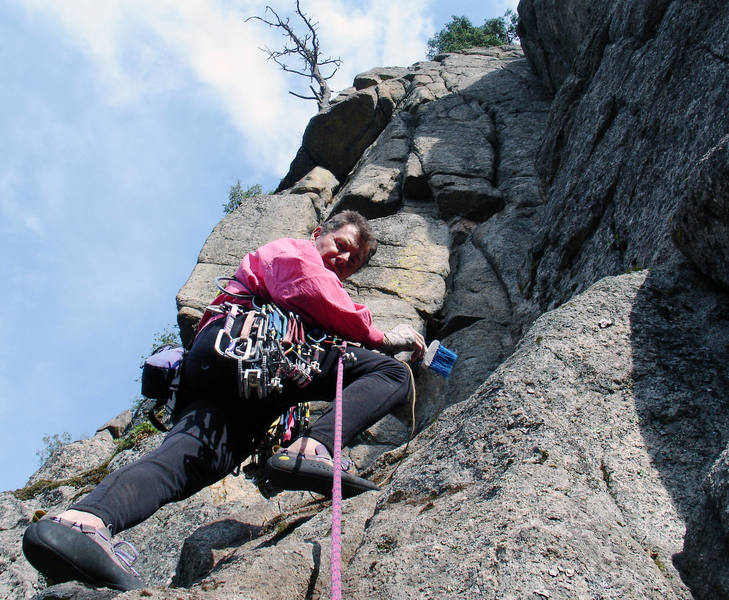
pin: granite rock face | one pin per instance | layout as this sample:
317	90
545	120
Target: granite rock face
568	473
700	227
631	122
558	217
257	221
336	138
553	31
458	147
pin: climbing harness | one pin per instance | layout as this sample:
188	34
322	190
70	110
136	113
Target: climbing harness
292	424
271	348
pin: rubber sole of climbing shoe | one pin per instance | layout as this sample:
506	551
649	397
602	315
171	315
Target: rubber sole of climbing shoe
310	474
65	554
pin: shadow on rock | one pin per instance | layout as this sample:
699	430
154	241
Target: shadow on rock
680	338
197	558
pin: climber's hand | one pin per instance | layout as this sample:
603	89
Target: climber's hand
403	337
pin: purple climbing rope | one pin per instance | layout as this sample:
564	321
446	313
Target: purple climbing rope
335	562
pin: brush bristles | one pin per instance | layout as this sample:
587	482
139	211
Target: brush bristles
439	359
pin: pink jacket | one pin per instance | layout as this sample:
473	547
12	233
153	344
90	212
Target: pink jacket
291	273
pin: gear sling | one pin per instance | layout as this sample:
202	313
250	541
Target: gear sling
271	348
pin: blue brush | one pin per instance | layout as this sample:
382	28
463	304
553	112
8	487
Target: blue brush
439	359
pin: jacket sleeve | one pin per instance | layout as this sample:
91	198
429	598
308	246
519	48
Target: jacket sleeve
300	282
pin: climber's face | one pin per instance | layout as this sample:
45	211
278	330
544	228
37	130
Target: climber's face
341	250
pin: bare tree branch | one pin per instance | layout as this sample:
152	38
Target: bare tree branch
304	97
306	49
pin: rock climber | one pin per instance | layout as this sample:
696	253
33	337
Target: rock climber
214	431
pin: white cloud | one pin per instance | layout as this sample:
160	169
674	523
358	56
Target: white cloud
34	175
141	48
372	34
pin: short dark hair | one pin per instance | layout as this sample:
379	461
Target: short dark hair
352	217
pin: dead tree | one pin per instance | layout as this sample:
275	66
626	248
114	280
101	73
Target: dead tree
307	49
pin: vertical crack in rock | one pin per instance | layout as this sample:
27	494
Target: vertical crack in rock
316	555
375	186
496	142
610	109
573	242
504	288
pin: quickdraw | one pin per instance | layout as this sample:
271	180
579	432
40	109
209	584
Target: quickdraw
293	423
271	348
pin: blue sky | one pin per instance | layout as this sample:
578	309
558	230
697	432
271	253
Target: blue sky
123	125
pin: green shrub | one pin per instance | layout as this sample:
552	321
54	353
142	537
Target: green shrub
51	443
460	33
136	435
237	194
92	476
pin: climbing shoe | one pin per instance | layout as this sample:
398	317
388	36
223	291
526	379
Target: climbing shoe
312	473
66	551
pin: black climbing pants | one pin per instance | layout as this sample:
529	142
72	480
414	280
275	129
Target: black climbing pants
215	431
